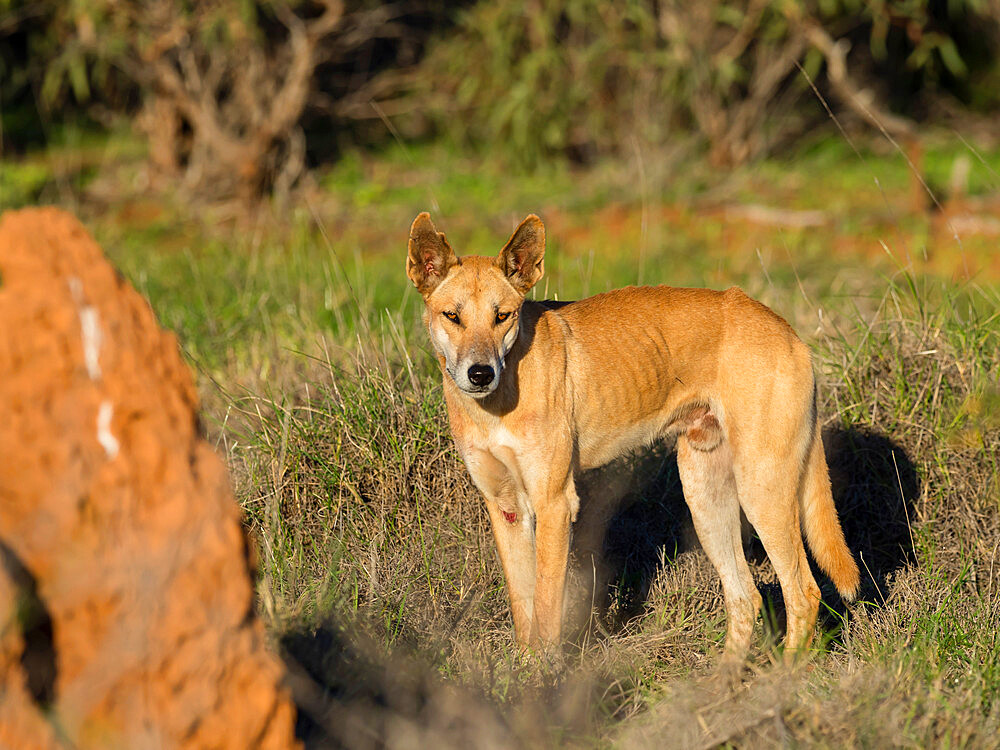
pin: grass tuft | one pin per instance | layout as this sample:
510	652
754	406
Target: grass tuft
372	540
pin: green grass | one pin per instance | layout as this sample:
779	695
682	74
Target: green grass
377	569
370	522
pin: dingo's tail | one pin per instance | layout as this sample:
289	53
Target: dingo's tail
821	525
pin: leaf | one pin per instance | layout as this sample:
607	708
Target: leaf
52	82
951	59
77	70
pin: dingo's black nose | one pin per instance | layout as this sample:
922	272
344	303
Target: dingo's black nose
480	375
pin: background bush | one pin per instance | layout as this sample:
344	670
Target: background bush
586	77
230	104
221	90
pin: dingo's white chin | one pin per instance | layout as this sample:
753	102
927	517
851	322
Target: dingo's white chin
477	391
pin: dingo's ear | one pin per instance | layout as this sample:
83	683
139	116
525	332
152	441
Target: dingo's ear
522	258
429	256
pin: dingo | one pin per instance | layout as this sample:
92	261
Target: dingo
539	392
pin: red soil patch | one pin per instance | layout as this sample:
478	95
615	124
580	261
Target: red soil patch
927	244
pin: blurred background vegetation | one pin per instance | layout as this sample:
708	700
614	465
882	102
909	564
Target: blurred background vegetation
253	167
235	98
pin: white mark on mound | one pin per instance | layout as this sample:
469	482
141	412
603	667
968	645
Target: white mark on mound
108	441
91	341
90	330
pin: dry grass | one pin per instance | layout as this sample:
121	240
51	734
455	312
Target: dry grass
381	583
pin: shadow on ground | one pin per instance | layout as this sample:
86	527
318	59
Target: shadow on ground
348	697
874	487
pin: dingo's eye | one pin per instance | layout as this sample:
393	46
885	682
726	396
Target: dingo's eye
453	317
501	317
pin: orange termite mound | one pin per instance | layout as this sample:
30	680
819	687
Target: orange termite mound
126	607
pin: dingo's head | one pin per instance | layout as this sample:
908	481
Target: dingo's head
473	304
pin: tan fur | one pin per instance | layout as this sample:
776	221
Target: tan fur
577	385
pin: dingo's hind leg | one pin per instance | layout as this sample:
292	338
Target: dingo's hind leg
710	492
768	489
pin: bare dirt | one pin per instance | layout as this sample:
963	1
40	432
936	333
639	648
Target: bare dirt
126	606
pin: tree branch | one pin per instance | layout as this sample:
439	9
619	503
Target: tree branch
861	101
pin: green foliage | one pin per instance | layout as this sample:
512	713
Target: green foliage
22	184
532	79
551	77
585	77
221	90
84	44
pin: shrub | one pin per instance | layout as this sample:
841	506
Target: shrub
585	77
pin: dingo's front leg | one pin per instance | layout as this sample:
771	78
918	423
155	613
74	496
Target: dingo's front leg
553	497
552	529
514	534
